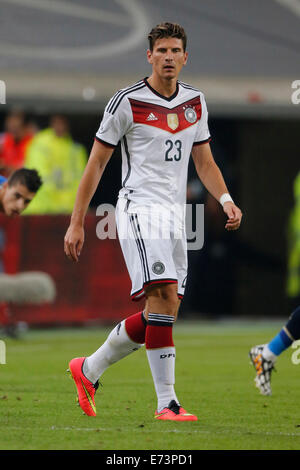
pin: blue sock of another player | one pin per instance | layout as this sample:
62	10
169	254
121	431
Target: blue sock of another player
289	333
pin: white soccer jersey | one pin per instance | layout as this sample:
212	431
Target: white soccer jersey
157	135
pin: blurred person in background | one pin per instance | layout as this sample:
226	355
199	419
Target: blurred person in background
61	163
14	142
293	276
264	356
16	193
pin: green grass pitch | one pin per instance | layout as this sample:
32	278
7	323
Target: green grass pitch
213	379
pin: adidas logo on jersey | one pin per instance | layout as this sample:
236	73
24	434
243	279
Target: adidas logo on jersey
152	117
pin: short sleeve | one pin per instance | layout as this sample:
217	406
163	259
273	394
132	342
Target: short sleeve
115	123
202	134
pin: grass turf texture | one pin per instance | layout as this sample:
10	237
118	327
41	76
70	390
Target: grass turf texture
213	380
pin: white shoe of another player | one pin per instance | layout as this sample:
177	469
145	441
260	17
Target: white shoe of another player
263	369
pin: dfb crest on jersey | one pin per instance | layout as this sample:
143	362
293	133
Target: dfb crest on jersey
158	267
173	121
190	115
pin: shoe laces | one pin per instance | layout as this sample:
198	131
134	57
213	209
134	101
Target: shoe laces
96	385
173	406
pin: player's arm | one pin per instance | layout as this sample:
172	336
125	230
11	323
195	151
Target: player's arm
212	178
74	238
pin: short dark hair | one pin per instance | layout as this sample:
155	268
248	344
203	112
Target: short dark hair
29	178
19	114
167	30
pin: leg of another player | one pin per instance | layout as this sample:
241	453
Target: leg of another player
161	310
283	340
264	356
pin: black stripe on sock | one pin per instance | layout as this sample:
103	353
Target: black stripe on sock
159	323
157	319
143	318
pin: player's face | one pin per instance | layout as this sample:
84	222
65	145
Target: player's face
15	199
167	57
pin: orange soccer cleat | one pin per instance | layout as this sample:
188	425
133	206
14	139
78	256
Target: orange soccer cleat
85	388
175	412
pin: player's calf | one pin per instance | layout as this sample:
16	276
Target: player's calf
293	325
126	337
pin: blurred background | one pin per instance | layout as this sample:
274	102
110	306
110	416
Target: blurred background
62	60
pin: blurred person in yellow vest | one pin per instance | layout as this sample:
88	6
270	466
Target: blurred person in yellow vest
293	279
60	162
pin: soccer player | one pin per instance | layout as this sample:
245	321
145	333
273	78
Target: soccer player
18	190
16	193
160	122
264	356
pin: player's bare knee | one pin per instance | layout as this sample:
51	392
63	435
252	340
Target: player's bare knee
163	299
170	306
169	292
170	298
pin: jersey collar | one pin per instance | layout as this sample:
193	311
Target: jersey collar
170	98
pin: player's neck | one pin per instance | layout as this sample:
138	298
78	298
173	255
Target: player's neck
164	87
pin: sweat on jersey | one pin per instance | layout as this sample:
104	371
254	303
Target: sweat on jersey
157	135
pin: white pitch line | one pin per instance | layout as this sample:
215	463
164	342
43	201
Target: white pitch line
54	428
161	431
69	9
293	5
137	28
194	431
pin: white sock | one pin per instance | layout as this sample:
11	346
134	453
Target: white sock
116	346
162	365
268	354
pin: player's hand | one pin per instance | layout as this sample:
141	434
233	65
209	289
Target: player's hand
234	216
73	242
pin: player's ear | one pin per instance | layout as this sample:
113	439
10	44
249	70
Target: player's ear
149	56
185	58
